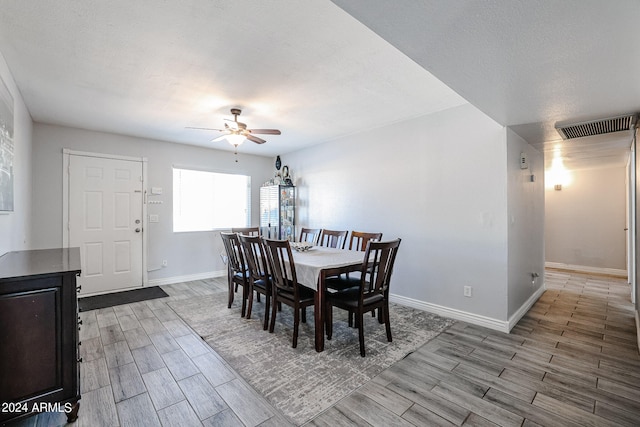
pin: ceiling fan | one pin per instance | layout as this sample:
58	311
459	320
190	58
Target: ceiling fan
236	132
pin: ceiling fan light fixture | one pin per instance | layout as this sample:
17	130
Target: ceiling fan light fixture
236	132
235	139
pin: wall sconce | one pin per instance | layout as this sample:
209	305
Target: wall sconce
557	175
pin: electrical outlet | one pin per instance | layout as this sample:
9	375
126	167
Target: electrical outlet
467	291
164	263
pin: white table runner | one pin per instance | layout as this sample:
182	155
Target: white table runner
309	263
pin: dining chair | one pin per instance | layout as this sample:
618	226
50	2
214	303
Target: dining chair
285	286
368	292
259	279
359	240
333	238
311	235
249	231
237	273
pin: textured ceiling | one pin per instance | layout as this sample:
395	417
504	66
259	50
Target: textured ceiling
151	68
328	69
527	64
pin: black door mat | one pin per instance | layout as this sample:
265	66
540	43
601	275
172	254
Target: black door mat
119	298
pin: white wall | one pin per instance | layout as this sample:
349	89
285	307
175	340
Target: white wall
585	221
439	183
186	253
15	231
526	224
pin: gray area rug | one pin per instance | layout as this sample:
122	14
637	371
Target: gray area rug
300	382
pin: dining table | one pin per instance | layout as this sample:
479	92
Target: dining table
313	266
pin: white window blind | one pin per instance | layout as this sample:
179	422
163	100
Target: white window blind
205	201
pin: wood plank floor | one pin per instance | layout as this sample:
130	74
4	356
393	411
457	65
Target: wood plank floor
143	366
571	361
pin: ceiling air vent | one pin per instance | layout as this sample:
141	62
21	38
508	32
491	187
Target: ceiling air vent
596	127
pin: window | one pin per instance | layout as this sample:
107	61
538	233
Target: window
205	201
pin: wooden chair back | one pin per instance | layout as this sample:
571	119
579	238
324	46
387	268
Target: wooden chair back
377	266
311	235
334	238
282	266
359	240
235	259
247	231
255	256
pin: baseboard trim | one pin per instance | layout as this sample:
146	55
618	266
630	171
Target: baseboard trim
476	319
513	320
187	278
586	269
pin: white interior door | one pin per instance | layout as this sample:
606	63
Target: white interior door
105	221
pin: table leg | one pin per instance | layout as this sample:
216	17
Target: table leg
319	312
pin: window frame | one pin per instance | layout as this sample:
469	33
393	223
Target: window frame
212	226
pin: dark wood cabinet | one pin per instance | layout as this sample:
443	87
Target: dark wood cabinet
39	333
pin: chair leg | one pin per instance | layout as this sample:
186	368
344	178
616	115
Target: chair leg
245	289
328	319
304	314
296	324
230	282
230	294
350	319
387	322
250	298
360	317
266	312
274	310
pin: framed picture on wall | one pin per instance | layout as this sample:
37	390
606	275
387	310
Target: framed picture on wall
6	149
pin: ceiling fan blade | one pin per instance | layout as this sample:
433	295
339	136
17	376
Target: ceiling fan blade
220	138
191	127
255	139
266	131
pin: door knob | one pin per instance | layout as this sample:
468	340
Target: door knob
137	230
